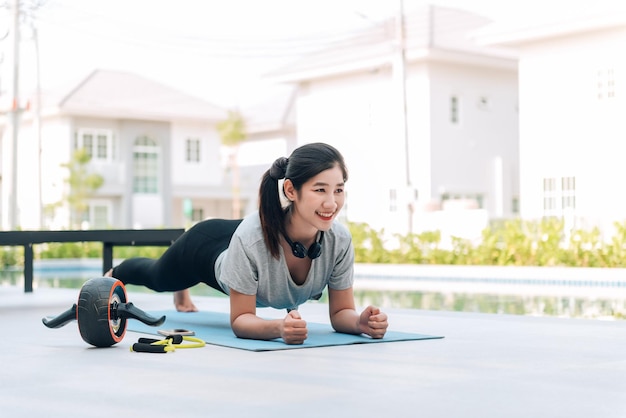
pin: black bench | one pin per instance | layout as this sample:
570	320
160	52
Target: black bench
108	237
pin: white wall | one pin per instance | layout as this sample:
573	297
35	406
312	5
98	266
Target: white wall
358	113
147	211
419	115
464	155
355	114
566	129
208	171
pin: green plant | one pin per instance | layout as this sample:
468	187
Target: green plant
70	250
506	243
614	252
368	245
11	256
81	185
232	133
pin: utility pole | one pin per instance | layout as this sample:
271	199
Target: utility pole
14	117
37	126
400	74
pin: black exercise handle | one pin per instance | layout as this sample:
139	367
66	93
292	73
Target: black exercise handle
62	319
147	340
128	310
176	339
148	348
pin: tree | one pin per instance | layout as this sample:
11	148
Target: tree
232	132
81	184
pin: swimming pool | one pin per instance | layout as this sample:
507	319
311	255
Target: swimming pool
537	291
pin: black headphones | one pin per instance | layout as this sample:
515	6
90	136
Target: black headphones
299	250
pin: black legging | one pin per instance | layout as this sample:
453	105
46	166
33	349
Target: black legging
188	261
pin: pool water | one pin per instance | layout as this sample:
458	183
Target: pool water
567	306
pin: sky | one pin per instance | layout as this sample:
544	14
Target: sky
215	50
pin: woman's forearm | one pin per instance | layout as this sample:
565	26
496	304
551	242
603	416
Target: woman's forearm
346	321
251	326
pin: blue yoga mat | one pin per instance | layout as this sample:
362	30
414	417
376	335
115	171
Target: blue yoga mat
214	328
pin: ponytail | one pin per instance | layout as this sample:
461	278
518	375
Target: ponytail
271	210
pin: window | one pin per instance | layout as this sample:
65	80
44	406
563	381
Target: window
145	166
99	215
469	200
515	204
549	196
479	198
197	214
95	216
568	193
98	143
192	150
393	200
559	195
454	110
606	84
483	103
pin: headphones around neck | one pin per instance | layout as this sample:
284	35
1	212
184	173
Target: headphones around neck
300	251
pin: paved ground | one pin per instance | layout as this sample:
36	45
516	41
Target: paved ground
487	366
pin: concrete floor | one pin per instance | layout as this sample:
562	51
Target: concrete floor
486	366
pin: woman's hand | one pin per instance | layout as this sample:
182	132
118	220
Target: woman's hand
373	322
293	329
345	318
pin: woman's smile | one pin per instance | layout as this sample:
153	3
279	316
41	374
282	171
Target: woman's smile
327	216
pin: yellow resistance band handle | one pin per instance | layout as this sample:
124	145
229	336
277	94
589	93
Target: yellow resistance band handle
149	345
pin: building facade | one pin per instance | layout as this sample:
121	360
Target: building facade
157	150
427	123
572	106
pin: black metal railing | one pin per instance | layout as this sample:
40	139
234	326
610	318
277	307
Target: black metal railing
108	237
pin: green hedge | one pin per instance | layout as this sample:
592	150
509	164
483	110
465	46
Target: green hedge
506	243
14	256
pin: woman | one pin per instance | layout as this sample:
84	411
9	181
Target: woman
279	257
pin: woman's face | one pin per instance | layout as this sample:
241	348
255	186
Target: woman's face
320	199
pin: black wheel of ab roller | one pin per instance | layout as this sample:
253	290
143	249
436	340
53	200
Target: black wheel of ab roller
98	321
101	312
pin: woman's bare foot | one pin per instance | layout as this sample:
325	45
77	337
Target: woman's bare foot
183	303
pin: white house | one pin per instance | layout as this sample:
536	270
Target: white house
157	149
460	143
572	106
160	153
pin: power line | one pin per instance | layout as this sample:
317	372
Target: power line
143	35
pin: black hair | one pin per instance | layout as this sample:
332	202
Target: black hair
304	163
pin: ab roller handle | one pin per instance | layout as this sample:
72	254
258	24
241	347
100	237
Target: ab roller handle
101	312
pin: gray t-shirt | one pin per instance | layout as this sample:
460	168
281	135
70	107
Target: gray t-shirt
248	267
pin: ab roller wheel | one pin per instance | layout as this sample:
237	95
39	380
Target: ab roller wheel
97	305
101	312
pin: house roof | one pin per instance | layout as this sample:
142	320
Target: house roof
272	113
118	94
515	35
431	32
